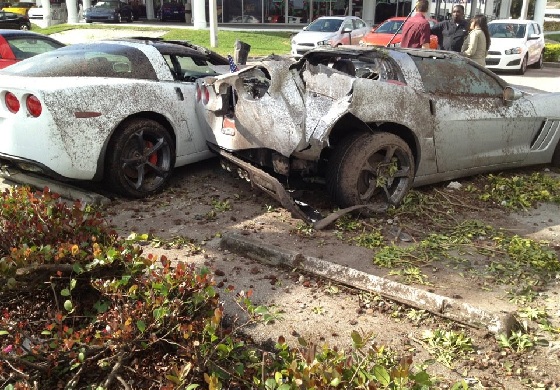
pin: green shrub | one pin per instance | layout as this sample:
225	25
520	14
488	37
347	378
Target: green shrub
552	52
144	321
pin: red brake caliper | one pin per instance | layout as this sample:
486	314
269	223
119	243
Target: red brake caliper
153	157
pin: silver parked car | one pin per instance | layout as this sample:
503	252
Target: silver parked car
373	122
329	30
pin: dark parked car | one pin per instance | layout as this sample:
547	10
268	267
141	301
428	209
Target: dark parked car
109	11
11	20
171	11
18	45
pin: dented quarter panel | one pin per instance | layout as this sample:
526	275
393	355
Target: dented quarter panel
282	126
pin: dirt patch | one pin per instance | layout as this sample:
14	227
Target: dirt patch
204	202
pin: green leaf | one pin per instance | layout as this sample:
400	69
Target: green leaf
77	268
65	292
192	387
46	332
357	339
381	375
270	384
141	325
3	332
68	305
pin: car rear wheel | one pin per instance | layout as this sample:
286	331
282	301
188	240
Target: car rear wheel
24	27
370	169
119	18
130	18
523	66
88	20
140	159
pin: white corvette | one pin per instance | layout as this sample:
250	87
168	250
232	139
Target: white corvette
117	111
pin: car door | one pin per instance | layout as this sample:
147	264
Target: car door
534	38
474	126
358	31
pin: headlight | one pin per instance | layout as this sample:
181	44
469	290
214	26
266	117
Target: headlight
515	50
324	43
293	41
361	43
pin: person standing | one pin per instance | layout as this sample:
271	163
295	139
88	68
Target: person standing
416	30
452	33
477	43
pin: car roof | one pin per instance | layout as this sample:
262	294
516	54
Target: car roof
511	21
23	33
338	17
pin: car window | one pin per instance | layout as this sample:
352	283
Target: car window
456	77
26	47
531	30
389	27
186	68
348	24
97	60
325	25
360	23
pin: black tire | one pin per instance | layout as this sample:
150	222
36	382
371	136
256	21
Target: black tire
119	18
130	18
540	63
357	166
523	66
139	159
88	20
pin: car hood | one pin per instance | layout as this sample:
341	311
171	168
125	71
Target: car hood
506	43
39	11
381	39
312	36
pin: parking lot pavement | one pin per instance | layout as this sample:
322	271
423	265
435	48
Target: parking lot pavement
546	79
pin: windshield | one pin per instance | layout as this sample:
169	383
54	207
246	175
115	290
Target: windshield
325	25
390	27
506	30
88	60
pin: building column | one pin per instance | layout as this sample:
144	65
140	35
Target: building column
199	14
72	8
540	8
47	17
368	11
505	7
150	13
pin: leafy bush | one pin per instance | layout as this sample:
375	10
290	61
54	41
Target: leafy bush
552	52
143	322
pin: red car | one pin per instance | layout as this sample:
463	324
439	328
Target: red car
382	34
17	45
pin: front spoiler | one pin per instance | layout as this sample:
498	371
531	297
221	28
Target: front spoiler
276	190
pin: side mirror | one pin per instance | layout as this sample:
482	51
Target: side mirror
532	37
511	94
346	30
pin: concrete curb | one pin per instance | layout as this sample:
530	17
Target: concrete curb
67	191
446	307
551	64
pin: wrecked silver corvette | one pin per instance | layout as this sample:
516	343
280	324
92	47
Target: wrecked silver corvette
373	122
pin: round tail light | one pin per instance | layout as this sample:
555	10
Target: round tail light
34	106
205	95
12	102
